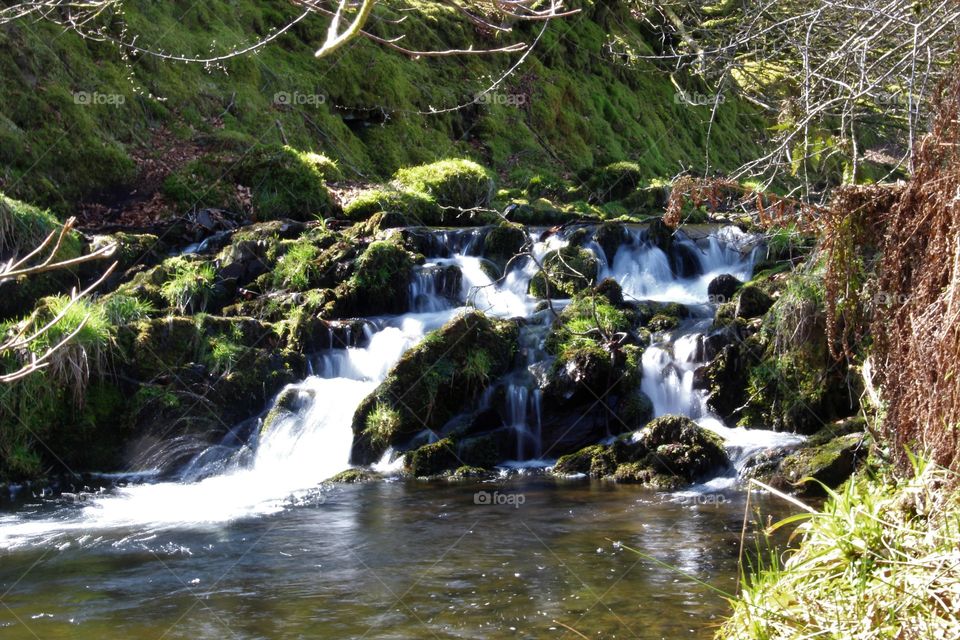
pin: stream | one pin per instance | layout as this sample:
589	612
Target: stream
247	541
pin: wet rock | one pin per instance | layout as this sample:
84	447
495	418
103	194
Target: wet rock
356	475
722	288
438	379
432	459
565	272
503	242
610	236
752	302
379	284
830	463
677	446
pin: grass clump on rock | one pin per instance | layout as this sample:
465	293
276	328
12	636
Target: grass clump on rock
190	288
458	183
564	272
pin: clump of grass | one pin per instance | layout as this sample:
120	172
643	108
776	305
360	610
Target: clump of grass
88	349
381	423
224	356
122	309
191	287
298	268
23	227
880	560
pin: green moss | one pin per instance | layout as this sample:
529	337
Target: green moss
439	378
503	242
597	461
615	181
432	459
379	284
355	476
565	272
283	183
417	208
458	183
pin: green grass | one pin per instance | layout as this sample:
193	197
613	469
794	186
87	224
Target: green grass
191	286
880	560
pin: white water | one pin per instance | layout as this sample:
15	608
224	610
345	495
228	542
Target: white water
299	452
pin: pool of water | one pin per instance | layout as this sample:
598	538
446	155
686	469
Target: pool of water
541	558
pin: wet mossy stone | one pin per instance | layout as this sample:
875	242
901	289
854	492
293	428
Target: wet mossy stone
640	473
439	378
611	290
752	302
380	283
432	459
611	236
660	235
597	461
503	242
678	446
355	475
722	288
466	472
565	272
458	183
726	377
830	464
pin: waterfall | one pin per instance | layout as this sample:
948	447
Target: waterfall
287	461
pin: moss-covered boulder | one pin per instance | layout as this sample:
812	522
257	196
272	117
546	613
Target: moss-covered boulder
610	236
432	459
752	302
380	283
829	463
503	242
565	272
355	475
439	378
615	181
722	288
677	446
597	461
271	181
458	183
412	207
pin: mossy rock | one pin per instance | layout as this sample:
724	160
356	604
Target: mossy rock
752	302
615	181
611	236
722	288
503	242
566	271
458	183
467	472
830	464
410	207
356	475
677	446
439	378
283	183
432	459
597	461
380	283
639	473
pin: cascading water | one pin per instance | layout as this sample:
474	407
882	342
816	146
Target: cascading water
311	442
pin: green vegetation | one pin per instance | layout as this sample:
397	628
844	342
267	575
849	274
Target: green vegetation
565	272
457	183
879	560
298	268
191	285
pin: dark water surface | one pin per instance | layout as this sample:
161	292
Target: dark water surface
395	560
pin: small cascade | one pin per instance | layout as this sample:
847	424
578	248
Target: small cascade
435	287
668	379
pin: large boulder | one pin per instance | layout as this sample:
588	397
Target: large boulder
380	283
441	377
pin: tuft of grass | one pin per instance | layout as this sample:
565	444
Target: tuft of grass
881	559
123	309
191	287
298	268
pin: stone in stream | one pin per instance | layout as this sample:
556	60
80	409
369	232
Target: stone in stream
669	452
722	288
